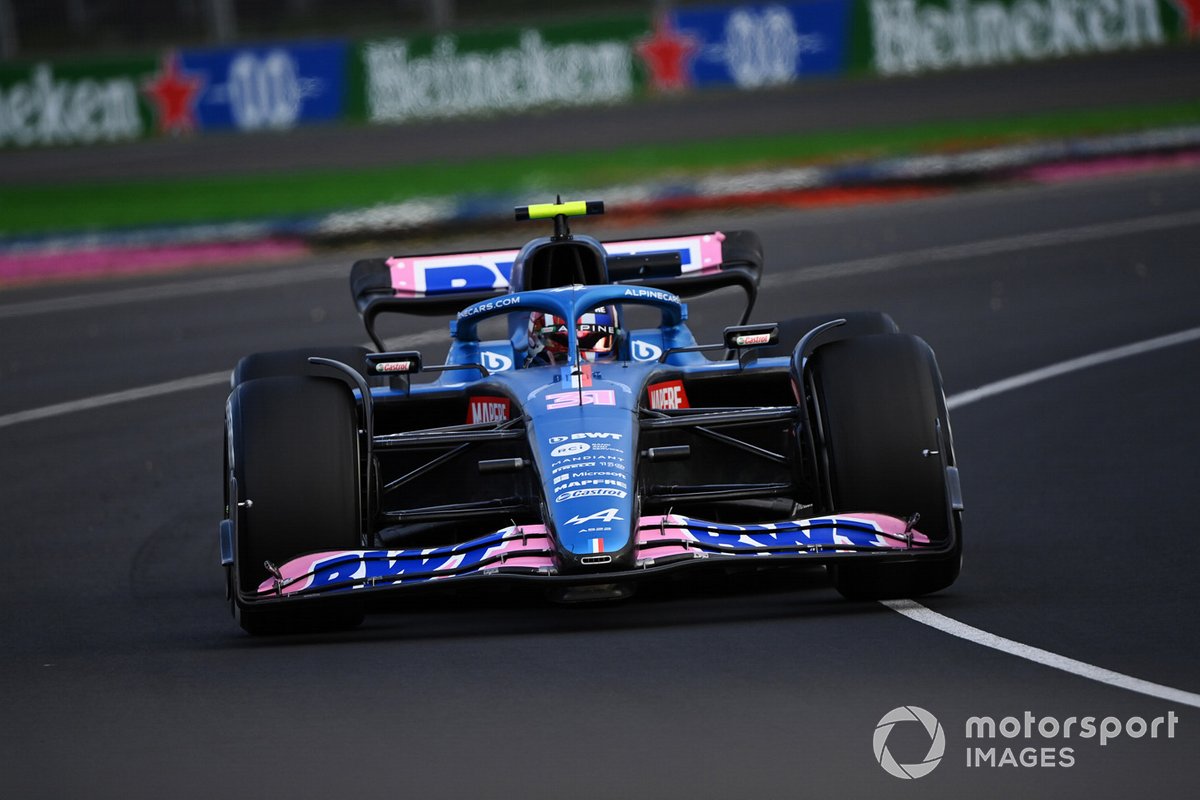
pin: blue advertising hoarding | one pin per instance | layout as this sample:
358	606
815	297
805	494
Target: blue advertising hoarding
747	46
269	87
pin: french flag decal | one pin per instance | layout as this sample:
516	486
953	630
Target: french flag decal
597	545
581	379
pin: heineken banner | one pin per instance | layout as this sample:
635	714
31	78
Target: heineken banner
907	36
77	103
455	75
389	80
748	46
274	87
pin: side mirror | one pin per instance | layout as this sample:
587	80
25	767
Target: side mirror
739	336
398	363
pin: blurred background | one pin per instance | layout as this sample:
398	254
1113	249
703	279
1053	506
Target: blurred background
319	121
37	28
65	26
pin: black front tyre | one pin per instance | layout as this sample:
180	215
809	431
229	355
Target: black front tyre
294	454
881	416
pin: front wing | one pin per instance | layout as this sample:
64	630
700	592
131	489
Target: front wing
527	551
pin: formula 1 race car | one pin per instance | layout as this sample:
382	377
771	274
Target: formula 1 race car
559	444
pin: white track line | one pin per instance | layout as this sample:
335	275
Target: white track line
1073	365
293	275
171	387
169	291
113	398
926	616
986	247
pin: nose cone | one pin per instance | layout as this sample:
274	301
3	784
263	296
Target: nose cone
585	457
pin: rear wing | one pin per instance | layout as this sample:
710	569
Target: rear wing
440	284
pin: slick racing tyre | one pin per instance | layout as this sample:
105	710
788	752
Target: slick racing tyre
293	457
881	415
858	323
278	363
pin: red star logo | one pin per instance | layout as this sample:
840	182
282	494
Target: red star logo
668	55
174	94
1190	11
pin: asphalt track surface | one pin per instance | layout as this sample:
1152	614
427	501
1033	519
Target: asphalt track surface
122	674
1165	75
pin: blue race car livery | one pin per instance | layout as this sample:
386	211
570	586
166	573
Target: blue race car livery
556	443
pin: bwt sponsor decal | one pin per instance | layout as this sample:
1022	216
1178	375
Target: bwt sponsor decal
455	272
585	397
487	409
570	449
666	395
644	351
583	435
591	493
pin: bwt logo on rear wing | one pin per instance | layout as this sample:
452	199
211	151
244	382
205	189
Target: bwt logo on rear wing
452	273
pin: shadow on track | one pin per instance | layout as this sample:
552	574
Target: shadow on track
521	611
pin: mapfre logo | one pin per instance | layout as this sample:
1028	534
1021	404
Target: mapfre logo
927	726
668	394
487	409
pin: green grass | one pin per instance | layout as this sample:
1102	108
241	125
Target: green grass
101	205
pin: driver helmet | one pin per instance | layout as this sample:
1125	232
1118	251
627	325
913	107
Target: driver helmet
596	331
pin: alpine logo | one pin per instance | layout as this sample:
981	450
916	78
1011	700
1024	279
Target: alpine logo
666	395
607	515
487	409
585	397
